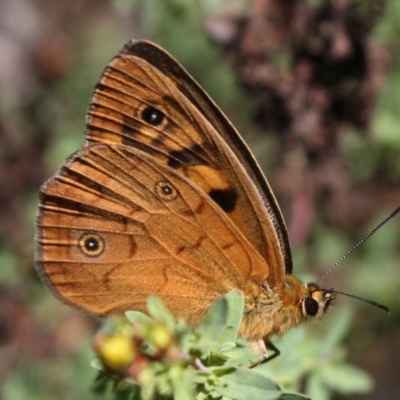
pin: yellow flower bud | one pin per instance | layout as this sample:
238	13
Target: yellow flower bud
116	352
160	336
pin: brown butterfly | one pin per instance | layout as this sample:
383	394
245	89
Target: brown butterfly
165	198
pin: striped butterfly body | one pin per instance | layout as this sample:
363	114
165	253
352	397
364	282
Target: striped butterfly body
165	198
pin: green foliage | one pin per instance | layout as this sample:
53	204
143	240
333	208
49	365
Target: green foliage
319	357
172	361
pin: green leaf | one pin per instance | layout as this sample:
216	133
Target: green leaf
182	383
235	301
97	364
214	323
338	329
222	322
347	379
238	354
293	396
316	388
244	383
215	358
137	317
159	312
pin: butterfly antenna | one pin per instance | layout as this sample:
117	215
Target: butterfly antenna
356	247
353	296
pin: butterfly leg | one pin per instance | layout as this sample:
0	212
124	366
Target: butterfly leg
264	345
274	350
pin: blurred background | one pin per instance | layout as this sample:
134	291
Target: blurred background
313	86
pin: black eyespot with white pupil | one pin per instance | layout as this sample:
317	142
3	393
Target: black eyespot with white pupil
153	116
311	306
166	191
91	244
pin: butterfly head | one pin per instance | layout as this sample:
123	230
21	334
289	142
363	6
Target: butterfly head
317	301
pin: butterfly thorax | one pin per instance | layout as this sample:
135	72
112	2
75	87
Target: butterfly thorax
269	312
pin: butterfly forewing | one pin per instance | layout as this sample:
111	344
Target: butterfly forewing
146	100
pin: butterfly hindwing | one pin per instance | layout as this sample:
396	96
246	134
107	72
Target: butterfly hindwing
115	226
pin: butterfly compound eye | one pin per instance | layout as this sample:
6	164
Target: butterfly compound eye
91	245
310	306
